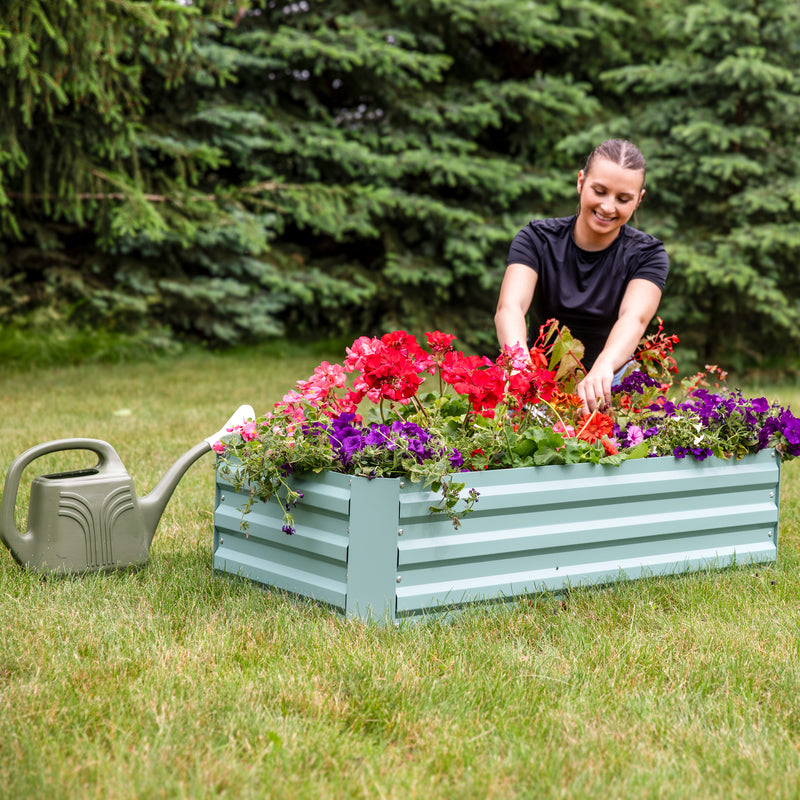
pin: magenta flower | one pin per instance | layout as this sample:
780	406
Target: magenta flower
635	435
248	431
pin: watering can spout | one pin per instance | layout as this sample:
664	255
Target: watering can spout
152	505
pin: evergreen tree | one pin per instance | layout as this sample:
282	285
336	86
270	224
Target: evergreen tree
393	141
321	166
81	164
719	116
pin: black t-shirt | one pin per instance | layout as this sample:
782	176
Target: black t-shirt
583	289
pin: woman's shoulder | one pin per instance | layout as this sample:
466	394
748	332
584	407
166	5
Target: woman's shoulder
641	240
539	239
548	228
552	225
645	256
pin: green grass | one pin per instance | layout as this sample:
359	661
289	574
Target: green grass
170	682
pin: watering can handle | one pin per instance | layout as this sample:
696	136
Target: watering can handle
106	453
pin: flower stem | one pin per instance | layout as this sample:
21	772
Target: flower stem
420	408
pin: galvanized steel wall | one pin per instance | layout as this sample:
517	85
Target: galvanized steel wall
553	527
371	548
312	562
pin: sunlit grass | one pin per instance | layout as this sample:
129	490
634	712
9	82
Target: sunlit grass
169	681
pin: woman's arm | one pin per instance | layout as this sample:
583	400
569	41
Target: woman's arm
516	294
638	307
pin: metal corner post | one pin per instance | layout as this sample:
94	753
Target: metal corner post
372	549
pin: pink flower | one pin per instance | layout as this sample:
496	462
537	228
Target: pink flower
325	379
564	430
330	374
362	347
248	431
635	435
218	447
516	357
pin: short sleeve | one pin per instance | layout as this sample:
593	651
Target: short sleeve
523	251
652	263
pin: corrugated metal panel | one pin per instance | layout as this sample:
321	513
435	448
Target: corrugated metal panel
551	527
371	548
312	562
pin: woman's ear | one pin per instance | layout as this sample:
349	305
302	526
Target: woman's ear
581	178
641	197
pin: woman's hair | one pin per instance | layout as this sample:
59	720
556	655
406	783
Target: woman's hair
621	152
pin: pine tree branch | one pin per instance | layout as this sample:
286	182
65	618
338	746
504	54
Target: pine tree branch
257	188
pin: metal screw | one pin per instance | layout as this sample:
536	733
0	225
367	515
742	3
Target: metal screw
402	484
400	532
399	578
221	540
769	533
222	497
772	494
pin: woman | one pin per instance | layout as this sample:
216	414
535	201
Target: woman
591	272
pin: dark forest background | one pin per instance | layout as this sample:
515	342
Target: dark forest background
228	172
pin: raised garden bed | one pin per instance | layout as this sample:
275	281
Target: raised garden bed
372	549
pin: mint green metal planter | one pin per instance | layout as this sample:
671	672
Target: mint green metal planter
370	548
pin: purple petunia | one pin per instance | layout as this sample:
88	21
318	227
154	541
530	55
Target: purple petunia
701	453
349	439
635	383
790	428
456	459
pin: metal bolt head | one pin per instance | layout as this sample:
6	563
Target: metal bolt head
399	578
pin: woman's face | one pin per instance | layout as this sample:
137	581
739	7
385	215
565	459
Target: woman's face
609	194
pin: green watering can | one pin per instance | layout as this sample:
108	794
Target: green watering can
91	519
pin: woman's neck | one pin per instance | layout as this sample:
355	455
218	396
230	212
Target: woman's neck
590	240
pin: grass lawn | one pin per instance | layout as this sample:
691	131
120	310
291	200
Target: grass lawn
170	682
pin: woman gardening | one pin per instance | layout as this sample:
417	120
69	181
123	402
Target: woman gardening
591	271
379	414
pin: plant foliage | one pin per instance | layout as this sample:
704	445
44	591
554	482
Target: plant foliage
520	410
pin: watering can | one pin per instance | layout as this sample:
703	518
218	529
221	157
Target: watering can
90	519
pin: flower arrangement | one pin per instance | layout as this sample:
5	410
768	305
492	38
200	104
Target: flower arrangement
394	408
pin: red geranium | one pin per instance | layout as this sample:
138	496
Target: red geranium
390	374
477	378
440	342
